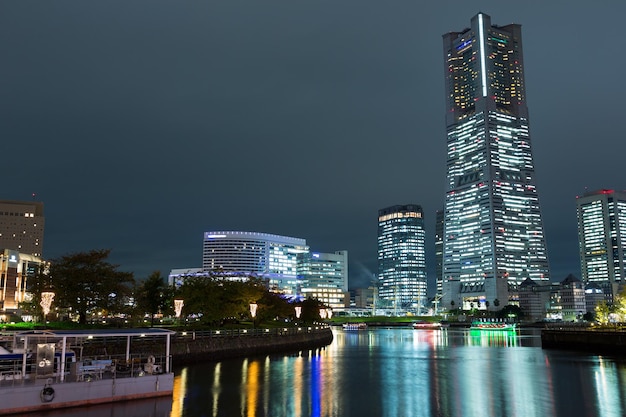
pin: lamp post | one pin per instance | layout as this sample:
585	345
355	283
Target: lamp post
46	302
178	307
298	312
253	307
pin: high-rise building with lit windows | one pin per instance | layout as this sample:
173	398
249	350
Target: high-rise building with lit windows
21	226
265	255
602	239
401	257
493	231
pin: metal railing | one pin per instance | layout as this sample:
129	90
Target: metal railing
280	331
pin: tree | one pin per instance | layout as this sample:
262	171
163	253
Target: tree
86	281
39	282
603	310
509	311
152	295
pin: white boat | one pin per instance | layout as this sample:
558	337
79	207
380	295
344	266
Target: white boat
355	326
44	370
427	325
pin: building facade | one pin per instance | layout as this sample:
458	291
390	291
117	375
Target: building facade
493	230
401	257
22	226
15	270
268	256
602	236
324	276
572	299
439	252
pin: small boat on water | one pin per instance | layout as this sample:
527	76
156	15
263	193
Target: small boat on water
355	326
44	370
492	325
427	325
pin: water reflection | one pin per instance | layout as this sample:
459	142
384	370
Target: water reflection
398	372
413	373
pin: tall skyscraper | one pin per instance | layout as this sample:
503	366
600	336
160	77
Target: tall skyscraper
439	252
21	226
324	276
602	238
493	230
268	256
401	257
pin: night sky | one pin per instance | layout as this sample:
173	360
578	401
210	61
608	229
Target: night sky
143	124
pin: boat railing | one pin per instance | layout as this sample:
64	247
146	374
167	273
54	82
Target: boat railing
83	369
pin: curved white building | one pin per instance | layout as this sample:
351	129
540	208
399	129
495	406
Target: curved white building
262	254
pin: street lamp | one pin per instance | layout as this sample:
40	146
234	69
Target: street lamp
253	307
178	307
329	313
322	313
298	311
46	302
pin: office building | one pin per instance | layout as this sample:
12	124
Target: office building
15	270
572	299
324	276
493	231
365	298
267	256
439	252
21	226
602	236
401	258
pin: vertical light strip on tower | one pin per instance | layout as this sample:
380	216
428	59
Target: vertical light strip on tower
483	73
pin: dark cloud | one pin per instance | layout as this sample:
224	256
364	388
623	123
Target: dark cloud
143	124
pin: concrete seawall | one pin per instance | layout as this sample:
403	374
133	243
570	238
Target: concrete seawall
589	340
190	347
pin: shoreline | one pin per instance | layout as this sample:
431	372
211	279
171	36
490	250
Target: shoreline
190	347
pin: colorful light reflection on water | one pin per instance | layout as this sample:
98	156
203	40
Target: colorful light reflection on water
403	372
392	373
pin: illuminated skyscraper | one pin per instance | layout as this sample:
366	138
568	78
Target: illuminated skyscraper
602	238
401	257
493	232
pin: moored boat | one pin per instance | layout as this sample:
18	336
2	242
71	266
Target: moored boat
427	325
492	325
43	370
355	326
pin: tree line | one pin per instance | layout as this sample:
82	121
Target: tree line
88	287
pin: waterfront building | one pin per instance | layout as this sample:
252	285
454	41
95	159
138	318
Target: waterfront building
15	270
534	299
324	276
602	236
401	258
593	296
264	255
565	300
572	298
365	298
493	230
22	226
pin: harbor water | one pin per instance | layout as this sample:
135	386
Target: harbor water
396	372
